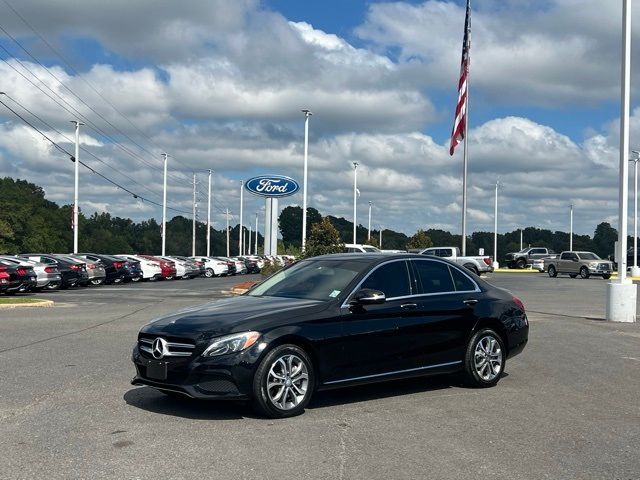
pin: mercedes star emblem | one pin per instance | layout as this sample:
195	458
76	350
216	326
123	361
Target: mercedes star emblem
159	348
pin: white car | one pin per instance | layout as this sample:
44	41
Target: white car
150	270
214	266
357	248
241	267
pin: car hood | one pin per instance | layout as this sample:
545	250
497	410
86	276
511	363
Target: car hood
230	315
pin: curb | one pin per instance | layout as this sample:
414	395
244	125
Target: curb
38	304
241	288
515	270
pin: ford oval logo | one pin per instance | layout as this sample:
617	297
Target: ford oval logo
272	186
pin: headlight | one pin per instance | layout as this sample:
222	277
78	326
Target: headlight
593	264
231	343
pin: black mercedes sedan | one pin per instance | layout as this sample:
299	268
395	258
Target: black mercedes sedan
334	321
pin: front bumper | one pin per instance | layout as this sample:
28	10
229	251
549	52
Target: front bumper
225	377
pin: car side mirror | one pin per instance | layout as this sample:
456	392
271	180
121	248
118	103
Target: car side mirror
368	296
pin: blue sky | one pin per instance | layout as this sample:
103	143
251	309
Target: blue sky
220	85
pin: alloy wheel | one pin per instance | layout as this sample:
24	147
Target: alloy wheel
488	358
287	381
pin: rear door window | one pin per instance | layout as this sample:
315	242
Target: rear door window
433	276
461	281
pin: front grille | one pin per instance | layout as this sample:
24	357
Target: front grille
604	266
173	349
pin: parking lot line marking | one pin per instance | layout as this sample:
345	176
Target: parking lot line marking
632	358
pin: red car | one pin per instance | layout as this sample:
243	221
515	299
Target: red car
167	268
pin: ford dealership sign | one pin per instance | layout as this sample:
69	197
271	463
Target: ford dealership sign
272	186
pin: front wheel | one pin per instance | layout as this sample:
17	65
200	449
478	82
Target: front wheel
284	382
606	276
484	359
552	271
521	263
584	272
97	281
208	273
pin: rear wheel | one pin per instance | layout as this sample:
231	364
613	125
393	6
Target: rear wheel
520	263
135	279
606	276
97	281
471	267
208	273
552	271
484	359
284	382
584	272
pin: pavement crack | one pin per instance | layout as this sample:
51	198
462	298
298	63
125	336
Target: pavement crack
342	454
74	332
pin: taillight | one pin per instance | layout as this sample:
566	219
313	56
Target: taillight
74	267
487	260
22	271
91	266
519	303
49	270
117	264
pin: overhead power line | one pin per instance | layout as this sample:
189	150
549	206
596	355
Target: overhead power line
93	170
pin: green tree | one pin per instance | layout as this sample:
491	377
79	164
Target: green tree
290	223
324	239
420	240
604	239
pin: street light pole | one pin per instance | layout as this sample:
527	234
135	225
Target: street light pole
520	239
164	206
307	114
369	234
635	271
355	189
622	294
227	232
240	233
193	230
380	239
209	218
571	228
495	230
256	246
76	207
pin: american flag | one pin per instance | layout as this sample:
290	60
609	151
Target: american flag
460	121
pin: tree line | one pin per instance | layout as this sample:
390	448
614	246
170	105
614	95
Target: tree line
31	223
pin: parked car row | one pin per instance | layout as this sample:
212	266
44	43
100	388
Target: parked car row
50	271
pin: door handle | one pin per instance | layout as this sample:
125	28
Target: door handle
409	306
470	301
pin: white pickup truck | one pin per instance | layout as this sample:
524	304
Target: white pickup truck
477	265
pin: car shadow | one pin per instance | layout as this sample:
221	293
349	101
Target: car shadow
376	391
151	400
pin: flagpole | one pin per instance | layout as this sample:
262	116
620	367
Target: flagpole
464	177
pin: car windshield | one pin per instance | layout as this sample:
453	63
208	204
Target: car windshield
311	280
588	256
370	249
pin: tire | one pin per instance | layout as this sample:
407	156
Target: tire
275	370
573	275
98	281
606	276
521	263
480	373
472	268
552	271
584	273
209	273
136	279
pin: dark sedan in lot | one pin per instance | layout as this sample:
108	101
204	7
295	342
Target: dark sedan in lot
20	278
334	321
113	266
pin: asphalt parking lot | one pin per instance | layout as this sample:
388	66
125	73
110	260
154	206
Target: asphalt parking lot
568	407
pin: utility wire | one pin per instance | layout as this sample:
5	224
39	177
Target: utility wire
63	150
